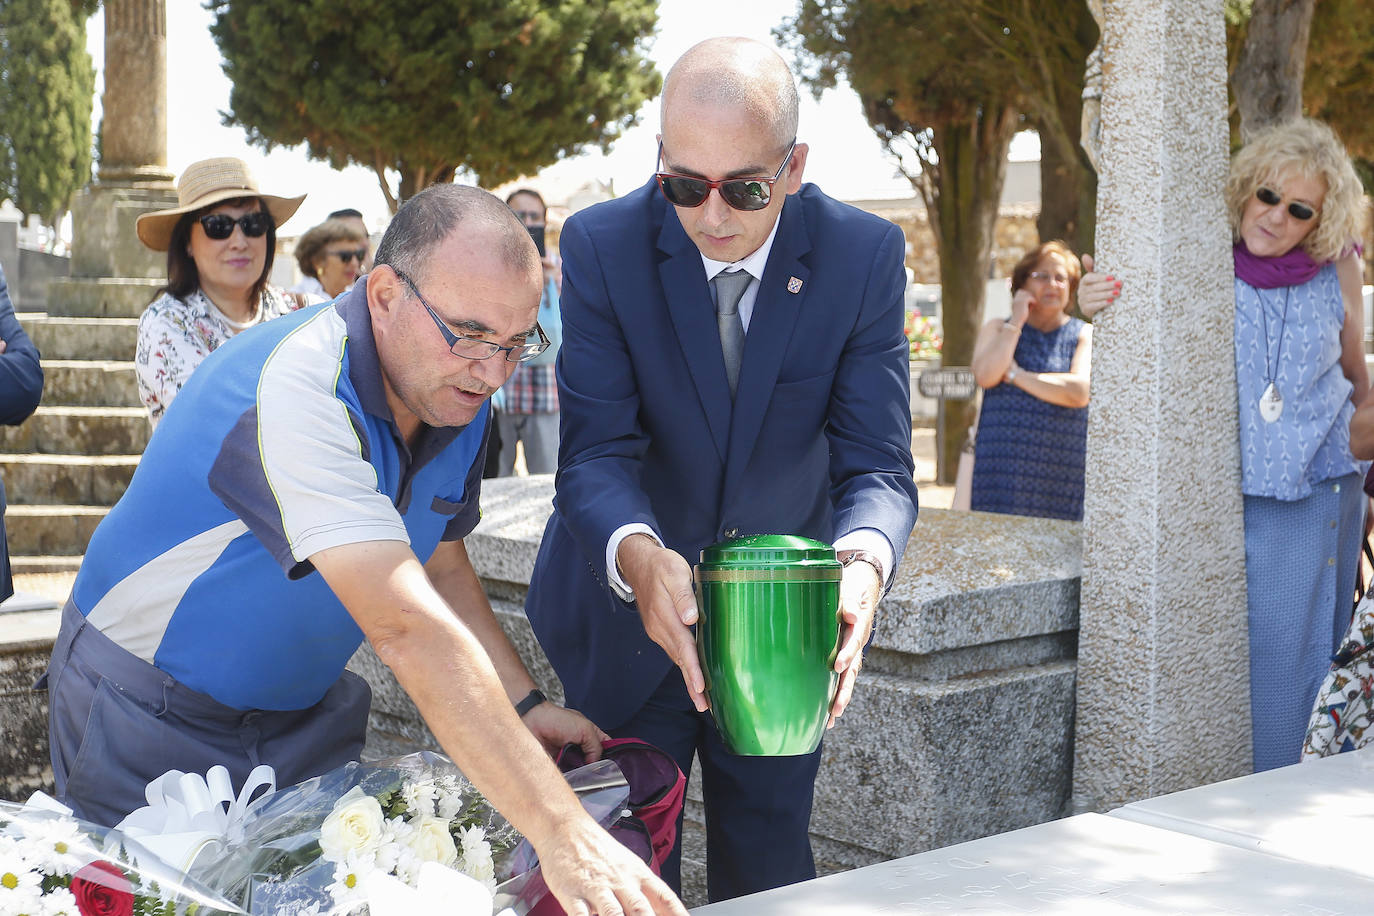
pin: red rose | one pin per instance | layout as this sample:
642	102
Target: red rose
101	889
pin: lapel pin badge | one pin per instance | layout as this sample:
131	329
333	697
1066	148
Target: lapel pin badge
794	285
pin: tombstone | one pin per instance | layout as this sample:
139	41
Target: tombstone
1162	700
133	176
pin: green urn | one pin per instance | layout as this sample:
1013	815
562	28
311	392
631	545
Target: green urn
767	635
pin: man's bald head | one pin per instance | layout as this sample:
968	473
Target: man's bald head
428	218
739	74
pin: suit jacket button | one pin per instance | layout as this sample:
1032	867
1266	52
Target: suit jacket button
731	533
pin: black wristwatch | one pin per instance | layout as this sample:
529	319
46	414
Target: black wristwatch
531	700
847	557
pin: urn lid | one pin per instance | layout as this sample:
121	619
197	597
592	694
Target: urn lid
769	550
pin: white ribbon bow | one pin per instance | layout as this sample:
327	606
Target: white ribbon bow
187	814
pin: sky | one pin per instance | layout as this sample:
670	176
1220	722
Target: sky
846	159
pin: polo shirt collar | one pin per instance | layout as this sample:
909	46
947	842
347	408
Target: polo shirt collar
365	374
364	366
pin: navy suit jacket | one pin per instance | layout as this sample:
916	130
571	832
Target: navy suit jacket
21	386
816	443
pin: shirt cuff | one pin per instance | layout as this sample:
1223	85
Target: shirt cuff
623	590
875	542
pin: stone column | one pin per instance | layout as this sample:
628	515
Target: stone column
133	138
133	176
1162	699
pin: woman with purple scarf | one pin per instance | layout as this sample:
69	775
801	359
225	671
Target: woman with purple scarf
1296	209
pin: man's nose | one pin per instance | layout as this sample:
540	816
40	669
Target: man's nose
493	371
716	210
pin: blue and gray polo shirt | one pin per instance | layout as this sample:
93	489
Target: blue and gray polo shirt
281	445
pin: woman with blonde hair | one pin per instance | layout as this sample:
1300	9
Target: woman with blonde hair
1297	211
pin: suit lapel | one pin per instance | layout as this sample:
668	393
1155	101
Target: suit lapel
770	331
694	319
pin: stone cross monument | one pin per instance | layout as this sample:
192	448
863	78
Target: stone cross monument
133	176
1162	700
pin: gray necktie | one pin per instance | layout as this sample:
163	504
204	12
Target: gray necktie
730	286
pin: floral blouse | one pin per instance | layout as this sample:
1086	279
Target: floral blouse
174	335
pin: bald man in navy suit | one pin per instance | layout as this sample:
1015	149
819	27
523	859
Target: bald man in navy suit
674	439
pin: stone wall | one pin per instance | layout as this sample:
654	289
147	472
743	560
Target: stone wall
25	646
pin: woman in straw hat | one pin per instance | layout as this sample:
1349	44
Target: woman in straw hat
219	242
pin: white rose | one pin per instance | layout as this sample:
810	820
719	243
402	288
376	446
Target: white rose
432	842
354	825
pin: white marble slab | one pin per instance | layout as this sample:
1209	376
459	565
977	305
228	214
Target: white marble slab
1321	812
1090	864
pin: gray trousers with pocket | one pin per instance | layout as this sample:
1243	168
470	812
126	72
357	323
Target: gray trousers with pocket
115	723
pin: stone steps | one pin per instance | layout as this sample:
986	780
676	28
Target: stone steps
79	431
89	383
81	338
62	530
105	298
69	462
39	565
92	480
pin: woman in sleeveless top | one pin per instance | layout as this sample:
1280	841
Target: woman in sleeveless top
1034	367
1296	206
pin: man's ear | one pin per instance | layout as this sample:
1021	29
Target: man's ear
796	167
385	291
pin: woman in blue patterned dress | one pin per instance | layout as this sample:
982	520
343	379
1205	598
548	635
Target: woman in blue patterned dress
1296	208
1034	367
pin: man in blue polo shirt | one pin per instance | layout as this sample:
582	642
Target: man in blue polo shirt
309	488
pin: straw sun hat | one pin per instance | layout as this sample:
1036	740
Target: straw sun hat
204	184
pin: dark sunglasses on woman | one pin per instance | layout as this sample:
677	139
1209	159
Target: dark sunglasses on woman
219	226
740	193
352	254
1271	198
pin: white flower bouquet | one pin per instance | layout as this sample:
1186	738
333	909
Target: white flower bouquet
384	836
52	864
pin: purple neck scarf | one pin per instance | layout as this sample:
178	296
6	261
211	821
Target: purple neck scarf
1292	269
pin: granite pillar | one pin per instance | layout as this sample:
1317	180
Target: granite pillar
133	177
1162	702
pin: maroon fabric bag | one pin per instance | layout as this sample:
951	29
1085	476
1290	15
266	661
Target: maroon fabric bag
657	788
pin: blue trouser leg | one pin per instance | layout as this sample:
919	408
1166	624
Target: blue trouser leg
757	808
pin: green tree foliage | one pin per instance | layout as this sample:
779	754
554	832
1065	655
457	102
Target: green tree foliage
1338	78
47	84
1044	50
495	88
1339	84
945	86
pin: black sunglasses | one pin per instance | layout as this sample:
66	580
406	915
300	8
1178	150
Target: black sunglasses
1271	198
353	254
471	347
219	226
740	193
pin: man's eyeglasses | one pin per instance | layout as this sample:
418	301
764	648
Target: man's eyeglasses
1271	198
471	347
740	193
352	254
219	226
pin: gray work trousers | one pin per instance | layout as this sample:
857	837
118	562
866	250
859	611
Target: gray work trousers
115	723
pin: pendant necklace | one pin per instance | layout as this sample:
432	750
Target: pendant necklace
1271	402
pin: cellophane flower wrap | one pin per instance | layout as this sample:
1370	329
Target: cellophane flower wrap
318	848
53	864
